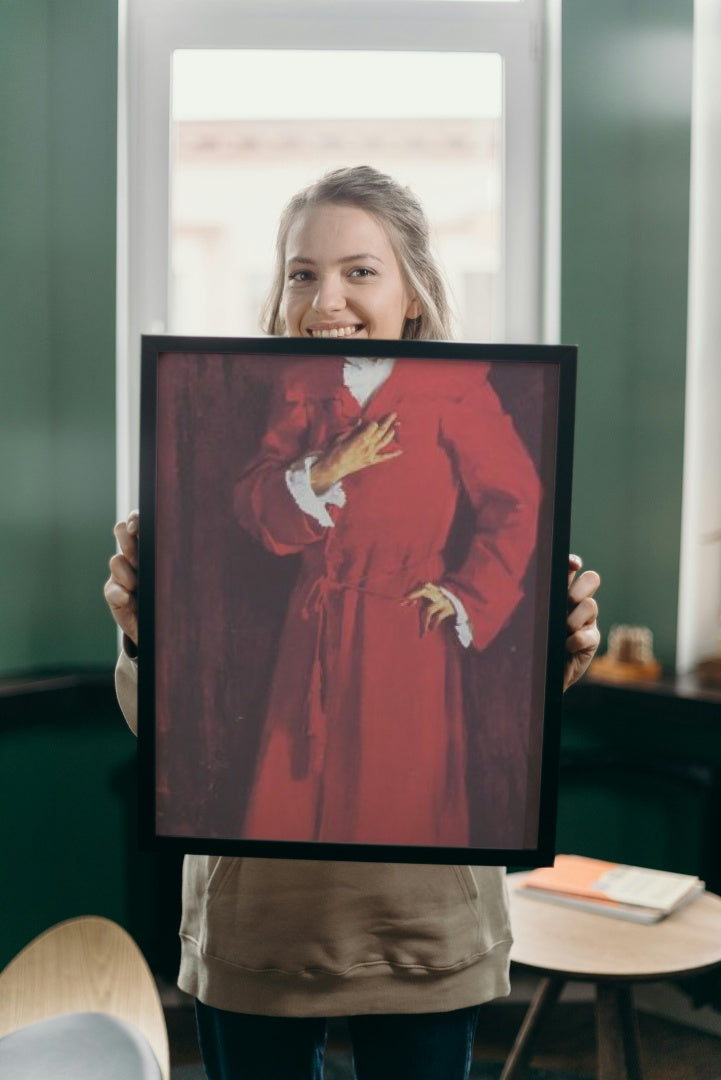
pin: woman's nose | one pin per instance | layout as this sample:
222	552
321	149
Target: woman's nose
329	296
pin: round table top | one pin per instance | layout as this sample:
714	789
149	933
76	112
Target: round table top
559	940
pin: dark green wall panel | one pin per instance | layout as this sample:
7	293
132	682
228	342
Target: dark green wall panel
626	144
82	299
64	790
58	77
69	803
26	489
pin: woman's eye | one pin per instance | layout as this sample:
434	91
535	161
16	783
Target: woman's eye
300	276
362	272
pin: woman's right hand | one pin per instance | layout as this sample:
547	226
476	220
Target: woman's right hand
121	587
358	449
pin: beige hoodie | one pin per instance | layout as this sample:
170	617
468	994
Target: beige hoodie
287	937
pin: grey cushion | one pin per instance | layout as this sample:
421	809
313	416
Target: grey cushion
79	1046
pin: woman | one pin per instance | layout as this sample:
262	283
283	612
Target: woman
271	948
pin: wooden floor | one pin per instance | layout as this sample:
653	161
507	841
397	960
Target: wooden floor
567	1043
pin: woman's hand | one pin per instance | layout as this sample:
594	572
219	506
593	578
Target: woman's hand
583	635
121	587
358	449
436	609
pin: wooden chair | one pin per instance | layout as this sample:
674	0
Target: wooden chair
90	971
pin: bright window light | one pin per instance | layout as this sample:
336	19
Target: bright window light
432	120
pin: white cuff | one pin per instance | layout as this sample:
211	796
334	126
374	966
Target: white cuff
297	480
463	623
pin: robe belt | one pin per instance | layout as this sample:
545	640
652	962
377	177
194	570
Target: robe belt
316	603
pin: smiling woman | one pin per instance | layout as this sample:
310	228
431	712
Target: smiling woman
353	259
331	292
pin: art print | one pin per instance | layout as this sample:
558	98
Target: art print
367	667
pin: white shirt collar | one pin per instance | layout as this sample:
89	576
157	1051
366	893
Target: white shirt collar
363	375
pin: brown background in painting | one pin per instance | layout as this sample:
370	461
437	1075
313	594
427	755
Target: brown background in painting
220	600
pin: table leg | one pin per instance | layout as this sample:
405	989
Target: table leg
617	1033
545	997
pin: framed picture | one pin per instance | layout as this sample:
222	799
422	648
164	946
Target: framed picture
353	572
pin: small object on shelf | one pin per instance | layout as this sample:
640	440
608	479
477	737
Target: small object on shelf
708	670
629	656
634	893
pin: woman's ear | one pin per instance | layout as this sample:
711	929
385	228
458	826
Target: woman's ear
415	309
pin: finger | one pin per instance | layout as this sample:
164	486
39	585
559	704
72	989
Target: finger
123	607
434	613
123	572
584	613
427	613
585	585
366	438
583	641
128	540
377	459
575	563
384	438
119	599
445	611
376	435
387	423
369	430
428	590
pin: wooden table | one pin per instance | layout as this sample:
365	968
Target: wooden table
563	944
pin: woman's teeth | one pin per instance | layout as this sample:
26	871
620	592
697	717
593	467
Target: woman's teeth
336	332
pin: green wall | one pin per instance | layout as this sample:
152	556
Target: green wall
626	145
58	73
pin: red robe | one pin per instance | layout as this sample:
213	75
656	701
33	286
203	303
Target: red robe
364	735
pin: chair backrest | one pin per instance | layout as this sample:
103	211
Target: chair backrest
88	964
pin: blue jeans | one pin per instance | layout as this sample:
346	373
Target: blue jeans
414	1046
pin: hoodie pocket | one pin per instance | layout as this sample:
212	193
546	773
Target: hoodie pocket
299	916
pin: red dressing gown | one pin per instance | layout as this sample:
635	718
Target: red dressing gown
363	740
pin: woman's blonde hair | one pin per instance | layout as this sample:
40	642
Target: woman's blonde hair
403	217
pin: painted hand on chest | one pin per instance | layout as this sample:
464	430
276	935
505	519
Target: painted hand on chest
365	445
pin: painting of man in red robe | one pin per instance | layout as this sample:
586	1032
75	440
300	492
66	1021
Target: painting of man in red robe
319	701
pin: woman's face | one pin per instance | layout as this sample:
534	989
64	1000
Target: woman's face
342	277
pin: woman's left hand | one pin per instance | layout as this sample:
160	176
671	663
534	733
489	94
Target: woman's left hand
583	635
436	610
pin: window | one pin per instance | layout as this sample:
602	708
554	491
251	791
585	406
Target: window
227	107
235	161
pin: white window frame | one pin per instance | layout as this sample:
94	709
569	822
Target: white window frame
699	597
526	34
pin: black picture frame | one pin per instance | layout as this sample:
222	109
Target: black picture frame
223	770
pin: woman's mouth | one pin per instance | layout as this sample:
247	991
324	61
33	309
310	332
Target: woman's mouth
335	331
